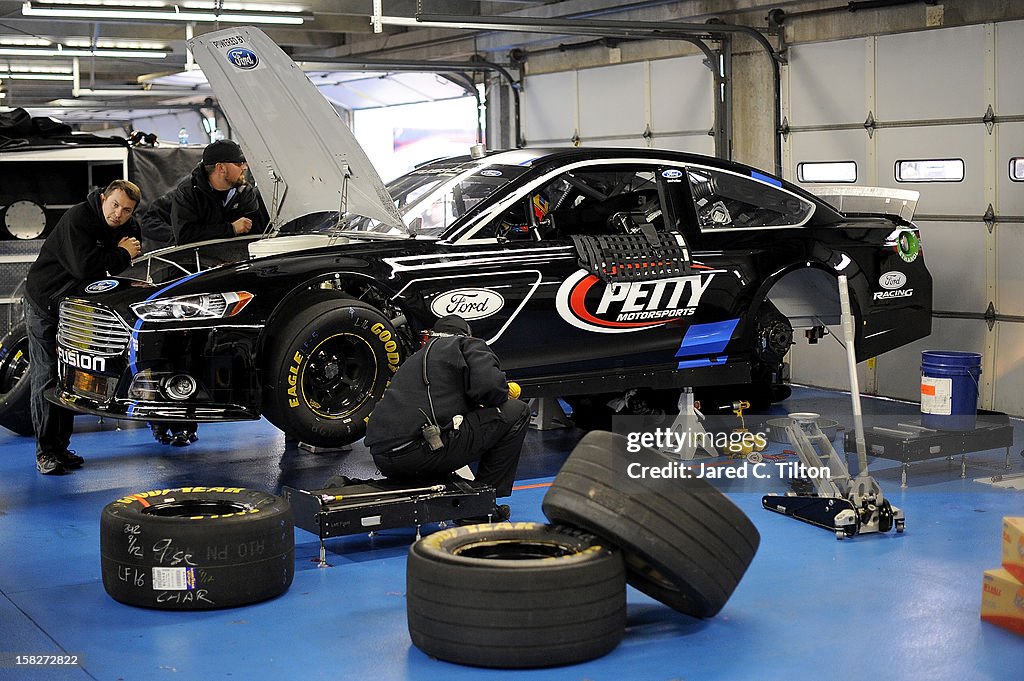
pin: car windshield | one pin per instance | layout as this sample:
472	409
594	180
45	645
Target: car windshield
429	199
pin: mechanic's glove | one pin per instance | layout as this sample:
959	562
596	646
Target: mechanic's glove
514	391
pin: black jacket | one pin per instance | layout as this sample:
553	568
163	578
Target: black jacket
81	248
155	224
464	375
198	211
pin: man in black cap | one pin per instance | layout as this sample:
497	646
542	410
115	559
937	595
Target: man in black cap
453	383
215	201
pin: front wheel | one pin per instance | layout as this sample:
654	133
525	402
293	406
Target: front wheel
327	369
15	391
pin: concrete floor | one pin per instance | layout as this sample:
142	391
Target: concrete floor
893	606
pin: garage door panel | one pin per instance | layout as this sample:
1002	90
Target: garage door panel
827	83
1009	368
931	74
1009	194
830	145
955	253
899	371
1009	269
612	100
1009	57
549	106
633	141
697	144
966	142
682	92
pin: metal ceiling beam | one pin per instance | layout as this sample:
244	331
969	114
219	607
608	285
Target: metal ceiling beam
662	30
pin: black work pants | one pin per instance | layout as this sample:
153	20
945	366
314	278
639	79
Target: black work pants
53	424
492	435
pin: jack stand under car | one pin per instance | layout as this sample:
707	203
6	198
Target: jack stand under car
847	506
347	507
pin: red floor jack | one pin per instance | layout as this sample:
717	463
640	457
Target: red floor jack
847	506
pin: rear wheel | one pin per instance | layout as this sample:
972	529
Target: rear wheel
327	368
15	391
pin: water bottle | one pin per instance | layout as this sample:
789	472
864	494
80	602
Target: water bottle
183	137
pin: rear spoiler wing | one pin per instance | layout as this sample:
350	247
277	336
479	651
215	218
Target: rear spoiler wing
899	203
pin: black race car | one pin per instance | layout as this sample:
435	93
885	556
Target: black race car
589	271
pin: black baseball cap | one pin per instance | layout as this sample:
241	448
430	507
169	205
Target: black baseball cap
452	323
222	151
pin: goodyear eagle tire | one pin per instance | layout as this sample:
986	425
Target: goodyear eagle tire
327	368
685	544
515	595
15	391
197	548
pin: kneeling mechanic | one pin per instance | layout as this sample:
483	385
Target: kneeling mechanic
449	405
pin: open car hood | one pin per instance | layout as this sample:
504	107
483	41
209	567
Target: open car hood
302	155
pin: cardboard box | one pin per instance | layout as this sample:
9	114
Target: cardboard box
1002	600
1013	546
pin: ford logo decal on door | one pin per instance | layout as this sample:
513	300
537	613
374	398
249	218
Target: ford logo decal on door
468	303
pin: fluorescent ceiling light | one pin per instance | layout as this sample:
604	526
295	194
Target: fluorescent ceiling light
116	43
149	13
33	68
59	51
24	40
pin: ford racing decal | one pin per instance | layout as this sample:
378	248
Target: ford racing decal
586	302
893	283
101	286
468	303
243	58
672	174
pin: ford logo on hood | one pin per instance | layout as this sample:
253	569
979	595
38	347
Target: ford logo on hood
891	281
243	58
101	286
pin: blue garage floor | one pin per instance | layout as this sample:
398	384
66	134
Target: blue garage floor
810	607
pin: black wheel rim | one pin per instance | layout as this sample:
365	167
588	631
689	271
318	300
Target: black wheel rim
339	375
13	366
517	549
192	508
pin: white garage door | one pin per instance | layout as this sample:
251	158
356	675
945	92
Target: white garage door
893	104
669	99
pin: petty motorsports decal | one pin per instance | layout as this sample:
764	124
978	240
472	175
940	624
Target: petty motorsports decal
588	303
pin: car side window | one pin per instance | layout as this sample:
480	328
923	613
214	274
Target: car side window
726	200
590	202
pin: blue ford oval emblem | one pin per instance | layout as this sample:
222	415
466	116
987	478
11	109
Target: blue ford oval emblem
243	58
672	174
490	173
101	286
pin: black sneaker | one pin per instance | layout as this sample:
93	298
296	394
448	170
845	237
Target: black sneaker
161	433
500	514
183	438
47	464
68	459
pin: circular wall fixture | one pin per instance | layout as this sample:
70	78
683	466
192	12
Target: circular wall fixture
24	220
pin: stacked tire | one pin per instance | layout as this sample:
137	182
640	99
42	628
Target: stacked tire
197	548
529	595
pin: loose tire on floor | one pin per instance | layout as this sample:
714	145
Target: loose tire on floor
515	595
326	369
15	391
197	548
685	544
